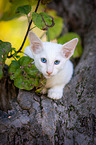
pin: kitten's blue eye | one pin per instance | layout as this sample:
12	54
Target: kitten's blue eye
43	60
56	62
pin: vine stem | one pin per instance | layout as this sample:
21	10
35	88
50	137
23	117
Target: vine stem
26	32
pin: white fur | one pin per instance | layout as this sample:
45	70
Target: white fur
61	73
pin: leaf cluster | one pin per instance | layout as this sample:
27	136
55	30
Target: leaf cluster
25	74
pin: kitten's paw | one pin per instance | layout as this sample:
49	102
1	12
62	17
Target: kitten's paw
54	94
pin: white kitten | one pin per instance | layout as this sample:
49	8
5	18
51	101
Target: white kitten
52	60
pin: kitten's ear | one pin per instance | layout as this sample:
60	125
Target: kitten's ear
36	44
69	47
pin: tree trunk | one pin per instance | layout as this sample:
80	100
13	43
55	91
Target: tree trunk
71	120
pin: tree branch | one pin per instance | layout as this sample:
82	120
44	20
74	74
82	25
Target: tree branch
26	32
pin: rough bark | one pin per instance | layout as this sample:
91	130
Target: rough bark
7	90
71	120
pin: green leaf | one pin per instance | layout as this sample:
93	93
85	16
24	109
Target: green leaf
5	48
67	37
13	69
24	9
55	31
42	20
23	83
24	61
25	74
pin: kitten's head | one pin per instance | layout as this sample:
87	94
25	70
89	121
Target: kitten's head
50	57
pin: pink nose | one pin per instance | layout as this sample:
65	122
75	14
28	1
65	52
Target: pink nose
49	73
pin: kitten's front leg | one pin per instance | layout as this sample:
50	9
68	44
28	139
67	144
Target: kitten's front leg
56	92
